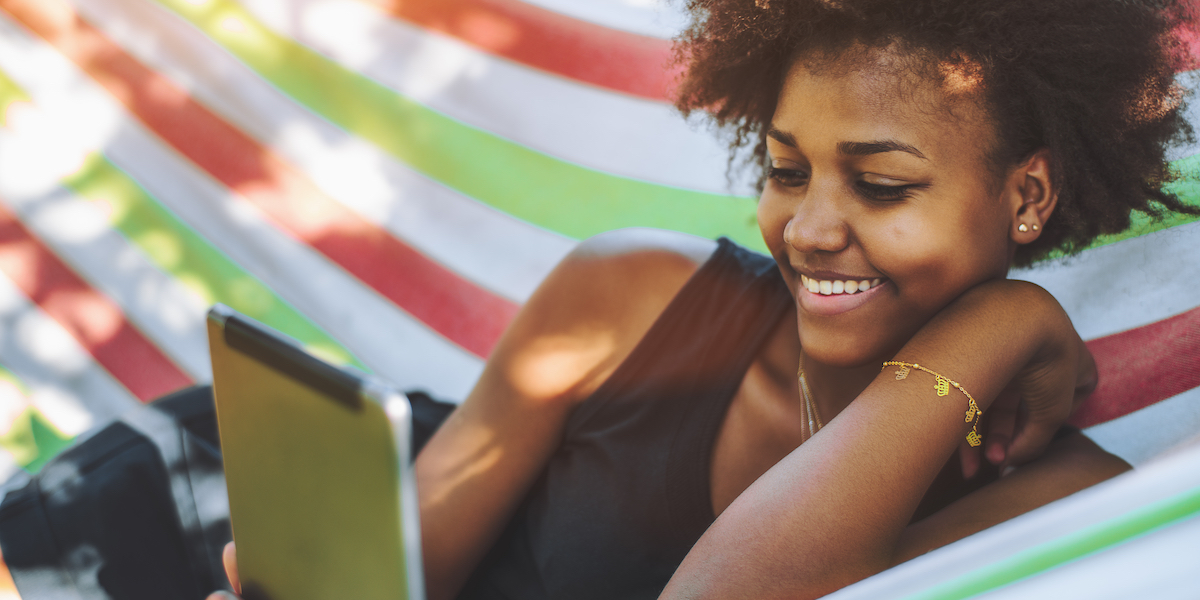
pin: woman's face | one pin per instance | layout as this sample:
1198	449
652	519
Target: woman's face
881	179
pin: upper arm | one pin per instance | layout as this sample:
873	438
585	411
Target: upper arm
575	329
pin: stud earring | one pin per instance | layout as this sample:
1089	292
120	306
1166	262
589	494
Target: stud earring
1022	228
1035	227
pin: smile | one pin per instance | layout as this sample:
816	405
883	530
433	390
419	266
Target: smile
826	298
831	287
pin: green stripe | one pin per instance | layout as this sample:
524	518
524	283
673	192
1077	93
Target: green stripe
190	259
31	438
540	189
1067	548
567	198
11	378
1187	188
176	249
9	92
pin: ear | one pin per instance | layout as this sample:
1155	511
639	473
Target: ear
1032	197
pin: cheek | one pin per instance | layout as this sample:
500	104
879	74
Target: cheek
935	256
772	218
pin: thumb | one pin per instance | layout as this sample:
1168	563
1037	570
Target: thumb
229	557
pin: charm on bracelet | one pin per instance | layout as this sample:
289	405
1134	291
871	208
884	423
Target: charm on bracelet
942	387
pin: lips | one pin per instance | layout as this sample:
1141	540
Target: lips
828	287
833	296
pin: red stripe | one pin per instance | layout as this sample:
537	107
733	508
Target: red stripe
542	39
579	50
468	315
1143	366
90	317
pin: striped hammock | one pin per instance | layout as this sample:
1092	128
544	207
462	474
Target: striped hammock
387	180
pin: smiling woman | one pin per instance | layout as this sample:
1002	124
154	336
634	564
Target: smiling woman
672	417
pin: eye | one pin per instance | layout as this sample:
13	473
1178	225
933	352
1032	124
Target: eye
787	177
886	193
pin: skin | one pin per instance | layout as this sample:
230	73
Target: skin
802	518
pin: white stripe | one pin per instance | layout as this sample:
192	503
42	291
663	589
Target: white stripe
1143	435
656	18
486	246
1128	284
1161	565
589	126
388	340
1190	81
75	229
47	141
65	383
1113	498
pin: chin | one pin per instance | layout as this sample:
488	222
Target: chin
843	360
846	351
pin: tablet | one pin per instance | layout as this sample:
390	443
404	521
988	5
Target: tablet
322	499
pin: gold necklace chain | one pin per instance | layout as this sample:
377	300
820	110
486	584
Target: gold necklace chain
812	418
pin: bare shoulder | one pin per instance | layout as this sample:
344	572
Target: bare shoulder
633	270
657	245
590	311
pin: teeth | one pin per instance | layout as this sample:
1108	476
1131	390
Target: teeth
828	288
812	285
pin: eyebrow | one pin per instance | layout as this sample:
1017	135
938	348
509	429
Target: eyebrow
852	148
877	147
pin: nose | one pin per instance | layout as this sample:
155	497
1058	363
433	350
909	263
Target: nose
818	222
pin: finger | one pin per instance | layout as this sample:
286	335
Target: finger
221	595
1031	439
1087	378
1001	425
1047	402
968	457
229	557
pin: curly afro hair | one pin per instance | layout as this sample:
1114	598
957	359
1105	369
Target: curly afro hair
1092	81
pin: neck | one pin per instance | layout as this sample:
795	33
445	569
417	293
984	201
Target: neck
834	388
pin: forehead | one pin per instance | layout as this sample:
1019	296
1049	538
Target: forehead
875	98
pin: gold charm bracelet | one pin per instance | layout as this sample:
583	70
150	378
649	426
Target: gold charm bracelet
942	386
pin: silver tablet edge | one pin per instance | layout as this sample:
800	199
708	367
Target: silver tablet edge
219	313
399	411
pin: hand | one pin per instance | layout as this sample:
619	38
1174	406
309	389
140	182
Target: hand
1050	387
1016	428
229	557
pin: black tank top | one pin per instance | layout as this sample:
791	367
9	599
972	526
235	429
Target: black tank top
628	492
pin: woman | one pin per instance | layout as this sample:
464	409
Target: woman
668	409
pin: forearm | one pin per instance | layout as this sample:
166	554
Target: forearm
833	511
1068	466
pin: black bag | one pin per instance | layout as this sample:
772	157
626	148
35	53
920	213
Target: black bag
137	511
